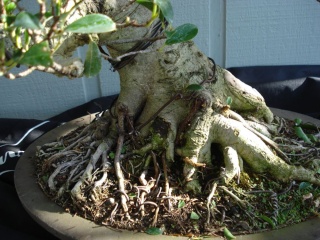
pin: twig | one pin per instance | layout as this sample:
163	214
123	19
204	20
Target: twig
19	75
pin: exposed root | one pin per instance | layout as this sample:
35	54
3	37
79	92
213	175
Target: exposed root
141	188
117	165
233	165
210	206
267	140
242	203
87	174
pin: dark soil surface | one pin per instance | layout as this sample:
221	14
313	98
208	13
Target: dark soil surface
157	204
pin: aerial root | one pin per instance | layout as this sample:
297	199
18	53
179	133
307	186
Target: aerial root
233	165
167	189
117	164
210	206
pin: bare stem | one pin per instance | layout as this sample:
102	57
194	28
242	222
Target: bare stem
19	75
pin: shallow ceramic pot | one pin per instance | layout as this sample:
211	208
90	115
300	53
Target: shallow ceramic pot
65	226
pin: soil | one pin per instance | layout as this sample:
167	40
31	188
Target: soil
253	203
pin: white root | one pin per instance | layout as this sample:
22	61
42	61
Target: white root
60	168
209	198
260	128
267	140
87	174
106	165
117	164
233	165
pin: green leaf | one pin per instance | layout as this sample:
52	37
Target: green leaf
304	185
194	216
15	59
132	195
228	235
154	231
213	204
297	121
146	3
38	55
92	64
92	23
312	138
181	204
45	178
229	101
194	87
300	133
309	126
123	150
57	7
164	5
10	7
182	33
268	220
28	21
112	155
166	9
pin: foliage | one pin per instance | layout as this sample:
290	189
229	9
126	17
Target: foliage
300	128
33	39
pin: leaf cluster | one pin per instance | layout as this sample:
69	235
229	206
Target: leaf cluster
32	39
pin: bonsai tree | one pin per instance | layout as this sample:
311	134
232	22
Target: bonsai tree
186	147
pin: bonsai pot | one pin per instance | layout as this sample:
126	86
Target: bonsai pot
65	226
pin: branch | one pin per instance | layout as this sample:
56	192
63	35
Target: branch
12	76
72	71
